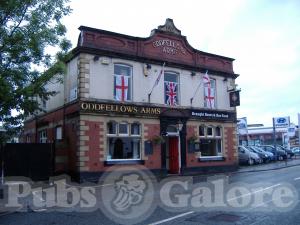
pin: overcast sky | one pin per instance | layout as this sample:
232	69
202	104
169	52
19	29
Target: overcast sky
262	36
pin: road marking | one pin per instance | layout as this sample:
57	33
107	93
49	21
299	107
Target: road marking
275	185
172	218
297	178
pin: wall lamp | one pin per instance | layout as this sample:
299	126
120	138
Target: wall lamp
96	58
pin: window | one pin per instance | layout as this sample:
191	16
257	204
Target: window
111	127
123	128
43	136
210	141
202	131
122	82
123	145
209	131
135	129
171	87
210	94
218	131
58	133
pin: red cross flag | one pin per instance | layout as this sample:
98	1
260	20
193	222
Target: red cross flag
121	88
209	92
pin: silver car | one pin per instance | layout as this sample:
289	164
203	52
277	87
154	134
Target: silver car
248	157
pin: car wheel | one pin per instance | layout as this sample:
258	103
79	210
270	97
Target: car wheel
250	161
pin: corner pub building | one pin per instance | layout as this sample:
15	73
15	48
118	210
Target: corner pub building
152	101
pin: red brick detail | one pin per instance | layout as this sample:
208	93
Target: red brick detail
153	48
95	152
154	160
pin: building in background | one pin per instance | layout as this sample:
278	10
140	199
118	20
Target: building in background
152	101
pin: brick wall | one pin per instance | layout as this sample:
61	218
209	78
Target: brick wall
152	161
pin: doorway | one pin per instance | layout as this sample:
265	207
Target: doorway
173	155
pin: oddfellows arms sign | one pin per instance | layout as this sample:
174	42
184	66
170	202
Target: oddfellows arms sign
107	108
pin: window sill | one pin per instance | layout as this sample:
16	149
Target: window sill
211	158
124	162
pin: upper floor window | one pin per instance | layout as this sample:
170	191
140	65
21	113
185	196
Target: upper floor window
122	82
171	86
210	94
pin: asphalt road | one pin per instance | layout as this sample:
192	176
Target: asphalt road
260	197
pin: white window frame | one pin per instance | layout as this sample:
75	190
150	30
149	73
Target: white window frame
56	133
130	81
215	92
43	136
178	86
128	135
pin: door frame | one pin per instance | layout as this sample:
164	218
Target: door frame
178	152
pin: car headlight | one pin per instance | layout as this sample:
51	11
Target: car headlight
266	155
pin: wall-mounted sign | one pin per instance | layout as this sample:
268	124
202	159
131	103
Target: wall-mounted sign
119	108
282	121
234	98
214	115
169	46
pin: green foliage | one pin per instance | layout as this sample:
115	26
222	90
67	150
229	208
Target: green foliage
27	29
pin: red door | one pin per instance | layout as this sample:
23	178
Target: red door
173	155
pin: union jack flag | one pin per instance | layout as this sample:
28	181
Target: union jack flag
171	93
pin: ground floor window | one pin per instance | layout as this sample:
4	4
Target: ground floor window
124	148
210	140
211	147
123	141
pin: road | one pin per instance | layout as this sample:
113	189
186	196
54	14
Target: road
265	211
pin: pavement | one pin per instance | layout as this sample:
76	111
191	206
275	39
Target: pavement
270	166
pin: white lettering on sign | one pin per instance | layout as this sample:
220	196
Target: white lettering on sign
169	46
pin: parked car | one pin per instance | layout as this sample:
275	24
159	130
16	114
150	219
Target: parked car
265	156
296	150
281	155
248	157
289	152
270	154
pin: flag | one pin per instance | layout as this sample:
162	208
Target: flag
121	88
242	126
171	93
209	92
159	76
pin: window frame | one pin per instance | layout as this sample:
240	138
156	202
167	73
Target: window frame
217	139
45	138
131	137
130	81
178	85
215	92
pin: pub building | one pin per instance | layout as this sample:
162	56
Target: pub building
153	101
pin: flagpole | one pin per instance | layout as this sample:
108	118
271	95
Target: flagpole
156	82
197	90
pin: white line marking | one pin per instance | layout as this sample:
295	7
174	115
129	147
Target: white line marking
172	218
297	178
253	192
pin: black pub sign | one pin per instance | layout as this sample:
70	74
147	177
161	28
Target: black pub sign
213	115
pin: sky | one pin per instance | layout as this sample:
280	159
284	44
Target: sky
263	36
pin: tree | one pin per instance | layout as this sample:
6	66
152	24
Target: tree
28	28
